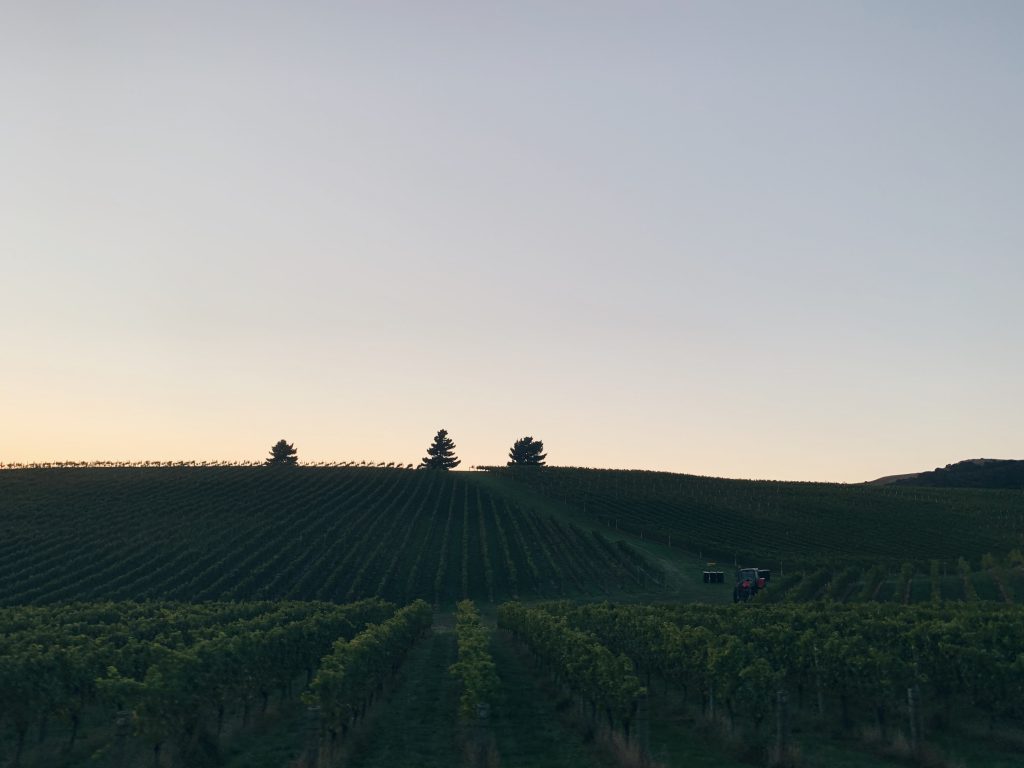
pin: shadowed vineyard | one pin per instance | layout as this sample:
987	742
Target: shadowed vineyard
333	534
181	617
801	522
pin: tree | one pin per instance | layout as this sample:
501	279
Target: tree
527	452
282	454
441	455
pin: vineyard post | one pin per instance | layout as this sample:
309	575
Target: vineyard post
643	724
482	737
312	737
817	683
781	724
914	706
122	727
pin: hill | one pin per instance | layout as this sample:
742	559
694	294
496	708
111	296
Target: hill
768	521
972	473
345	533
224	559
303	533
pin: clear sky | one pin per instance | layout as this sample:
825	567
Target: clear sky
749	239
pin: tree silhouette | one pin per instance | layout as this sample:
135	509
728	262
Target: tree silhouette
527	452
282	454
441	455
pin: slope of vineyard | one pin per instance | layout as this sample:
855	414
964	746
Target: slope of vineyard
309	533
907	679
164	683
755	520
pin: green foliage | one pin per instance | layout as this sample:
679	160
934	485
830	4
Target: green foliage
860	658
964	569
578	660
475	668
171	664
282	454
872	579
354	669
527	452
810	586
441	453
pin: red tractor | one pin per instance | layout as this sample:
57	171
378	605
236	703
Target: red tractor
749	581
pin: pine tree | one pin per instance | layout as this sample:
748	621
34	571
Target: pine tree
441	455
527	452
282	454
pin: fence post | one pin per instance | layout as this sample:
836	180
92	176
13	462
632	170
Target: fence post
781	725
481	740
643	727
914	707
312	737
122	728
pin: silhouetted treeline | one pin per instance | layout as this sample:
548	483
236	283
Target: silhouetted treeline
974	473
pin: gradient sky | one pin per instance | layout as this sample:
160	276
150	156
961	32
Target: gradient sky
775	240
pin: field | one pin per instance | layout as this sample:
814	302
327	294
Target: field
799	522
337	534
187	617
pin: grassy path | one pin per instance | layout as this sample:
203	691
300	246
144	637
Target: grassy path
416	725
527	726
280	743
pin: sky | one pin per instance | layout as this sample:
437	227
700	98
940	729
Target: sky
769	240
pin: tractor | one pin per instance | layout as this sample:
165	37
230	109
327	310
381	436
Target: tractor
749	581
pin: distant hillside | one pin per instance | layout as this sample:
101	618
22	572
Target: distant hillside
973	473
765	521
304	533
343	533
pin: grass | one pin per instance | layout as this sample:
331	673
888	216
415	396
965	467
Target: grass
416	724
529	730
274	747
978	751
675	738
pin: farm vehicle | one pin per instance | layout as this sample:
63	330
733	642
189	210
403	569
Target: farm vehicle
749	581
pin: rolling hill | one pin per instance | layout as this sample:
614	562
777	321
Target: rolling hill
759	520
196	602
346	533
304	533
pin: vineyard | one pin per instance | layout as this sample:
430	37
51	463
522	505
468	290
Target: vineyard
801	523
902	676
994	580
175	684
311	533
191	617
171	680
